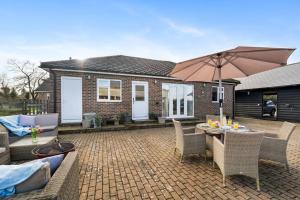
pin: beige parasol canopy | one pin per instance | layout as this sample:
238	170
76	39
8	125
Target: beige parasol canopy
234	63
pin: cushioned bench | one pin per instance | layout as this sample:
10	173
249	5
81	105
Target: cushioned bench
21	147
64	184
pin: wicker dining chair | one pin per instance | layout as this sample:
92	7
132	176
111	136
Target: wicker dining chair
189	142
238	155
274	145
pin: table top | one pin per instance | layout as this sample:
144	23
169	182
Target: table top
27	141
218	131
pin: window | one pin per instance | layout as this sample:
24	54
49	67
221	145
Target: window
215	94
139	93
108	90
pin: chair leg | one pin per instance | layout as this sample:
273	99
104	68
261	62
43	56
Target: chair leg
181	158
286	166
224	182
213	164
257	184
175	150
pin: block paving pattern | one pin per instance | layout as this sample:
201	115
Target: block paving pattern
140	164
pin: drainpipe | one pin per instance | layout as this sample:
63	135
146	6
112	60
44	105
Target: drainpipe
233	102
54	90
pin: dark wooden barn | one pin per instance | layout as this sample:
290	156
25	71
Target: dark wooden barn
273	94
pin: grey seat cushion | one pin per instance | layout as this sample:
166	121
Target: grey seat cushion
47	128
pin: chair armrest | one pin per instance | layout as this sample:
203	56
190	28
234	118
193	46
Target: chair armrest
218	151
271	135
273	143
188	130
4	142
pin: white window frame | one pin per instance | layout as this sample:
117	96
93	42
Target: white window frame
220	91
108	100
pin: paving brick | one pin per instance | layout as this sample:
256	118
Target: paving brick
140	164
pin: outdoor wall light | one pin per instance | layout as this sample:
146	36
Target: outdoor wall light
89	77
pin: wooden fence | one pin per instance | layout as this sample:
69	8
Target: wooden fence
23	106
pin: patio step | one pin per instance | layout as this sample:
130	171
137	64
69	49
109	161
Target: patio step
122	127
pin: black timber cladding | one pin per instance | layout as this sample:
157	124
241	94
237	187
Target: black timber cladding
249	103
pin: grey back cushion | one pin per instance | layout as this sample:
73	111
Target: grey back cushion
47	119
27	120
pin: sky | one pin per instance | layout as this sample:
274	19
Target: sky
173	30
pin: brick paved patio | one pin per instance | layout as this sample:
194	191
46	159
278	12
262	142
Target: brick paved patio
140	164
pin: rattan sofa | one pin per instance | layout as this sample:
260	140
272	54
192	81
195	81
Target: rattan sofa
63	185
20	147
4	145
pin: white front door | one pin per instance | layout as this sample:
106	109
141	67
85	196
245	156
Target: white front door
71	99
140	100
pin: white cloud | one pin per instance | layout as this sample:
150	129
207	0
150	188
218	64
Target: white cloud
182	28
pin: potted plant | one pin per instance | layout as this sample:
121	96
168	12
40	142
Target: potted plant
98	121
116	119
125	117
153	116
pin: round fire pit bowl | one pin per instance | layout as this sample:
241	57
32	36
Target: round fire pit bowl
53	149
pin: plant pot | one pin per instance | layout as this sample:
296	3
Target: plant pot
161	120
116	122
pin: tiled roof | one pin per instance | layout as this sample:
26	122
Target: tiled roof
115	64
283	76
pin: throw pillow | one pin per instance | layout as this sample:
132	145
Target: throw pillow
54	161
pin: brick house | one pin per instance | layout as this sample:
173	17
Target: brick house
116	84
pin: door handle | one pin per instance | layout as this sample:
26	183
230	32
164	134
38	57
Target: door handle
133	99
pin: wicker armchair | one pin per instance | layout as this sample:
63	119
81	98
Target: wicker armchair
274	145
238	155
188	142
4	147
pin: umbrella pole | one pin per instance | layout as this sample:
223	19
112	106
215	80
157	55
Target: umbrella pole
220	96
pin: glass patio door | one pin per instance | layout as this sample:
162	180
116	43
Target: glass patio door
178	100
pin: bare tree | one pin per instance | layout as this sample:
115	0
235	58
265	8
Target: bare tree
27	76
4	89
3	80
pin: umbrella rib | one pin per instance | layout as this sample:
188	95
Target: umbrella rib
229	59
195	71
257	50
238	68
258	59
185	67
212	78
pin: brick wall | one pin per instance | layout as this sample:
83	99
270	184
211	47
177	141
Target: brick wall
202	91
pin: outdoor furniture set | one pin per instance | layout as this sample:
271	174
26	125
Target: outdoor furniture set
235	151
63	183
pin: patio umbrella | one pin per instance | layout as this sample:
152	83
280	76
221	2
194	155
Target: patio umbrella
239	62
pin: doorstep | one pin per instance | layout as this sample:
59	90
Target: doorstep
122	127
